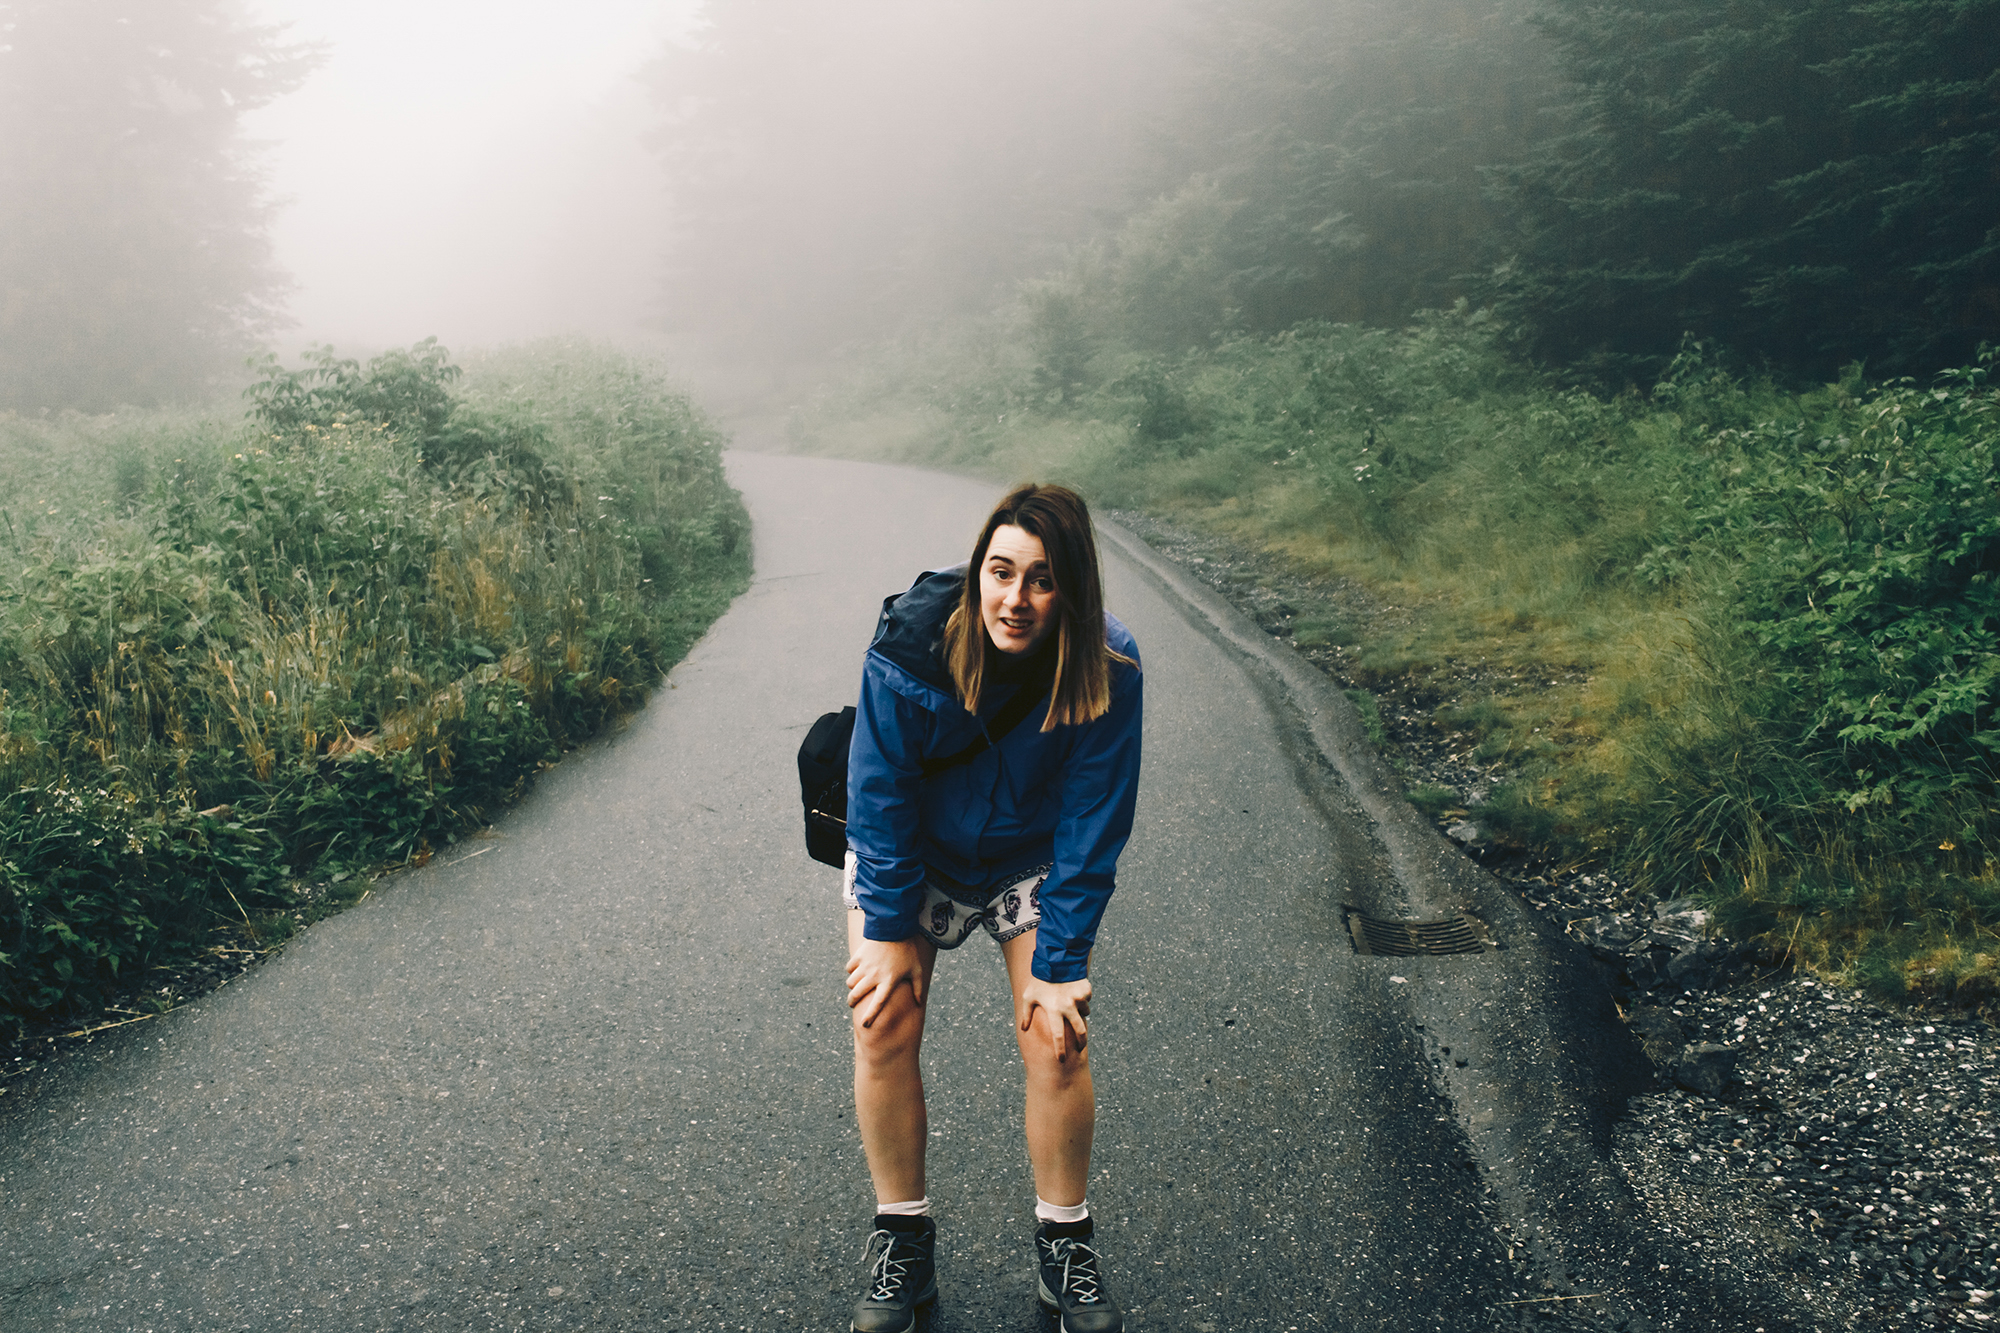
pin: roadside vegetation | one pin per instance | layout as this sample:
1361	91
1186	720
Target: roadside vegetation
247	657
1635	356
1769	615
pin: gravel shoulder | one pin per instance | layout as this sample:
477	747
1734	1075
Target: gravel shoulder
1789	1119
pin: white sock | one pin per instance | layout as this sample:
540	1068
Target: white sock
912	1208
1055	1212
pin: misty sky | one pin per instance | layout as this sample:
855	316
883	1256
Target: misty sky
467	168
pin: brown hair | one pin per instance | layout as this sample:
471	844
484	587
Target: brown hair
1058	518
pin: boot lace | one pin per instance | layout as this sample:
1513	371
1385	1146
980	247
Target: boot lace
889	1267
1079	1269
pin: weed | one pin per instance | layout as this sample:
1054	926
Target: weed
1371	717
238	658
1324	632
1436	802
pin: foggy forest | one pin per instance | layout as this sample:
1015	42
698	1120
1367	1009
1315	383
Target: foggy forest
1646	347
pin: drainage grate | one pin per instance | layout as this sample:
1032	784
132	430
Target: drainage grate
1404	939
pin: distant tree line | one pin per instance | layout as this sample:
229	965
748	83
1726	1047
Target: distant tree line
1810	182
1806	182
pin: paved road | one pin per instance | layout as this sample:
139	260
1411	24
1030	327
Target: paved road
592	1069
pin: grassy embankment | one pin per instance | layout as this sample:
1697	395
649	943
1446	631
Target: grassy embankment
246	657
1779	606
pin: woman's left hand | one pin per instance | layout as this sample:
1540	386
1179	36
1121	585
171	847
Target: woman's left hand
1064	1006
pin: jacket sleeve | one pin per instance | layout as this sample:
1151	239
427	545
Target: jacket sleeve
1100	789
884	781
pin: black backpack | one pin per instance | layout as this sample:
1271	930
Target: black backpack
823	785
823	768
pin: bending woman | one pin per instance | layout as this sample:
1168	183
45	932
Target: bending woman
959	821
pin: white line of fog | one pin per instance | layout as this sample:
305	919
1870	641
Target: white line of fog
467	168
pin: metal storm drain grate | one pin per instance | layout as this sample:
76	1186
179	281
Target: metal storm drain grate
1406	939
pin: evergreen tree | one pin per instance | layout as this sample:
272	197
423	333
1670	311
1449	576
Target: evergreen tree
1894	251
1354	136
133	262
1808	181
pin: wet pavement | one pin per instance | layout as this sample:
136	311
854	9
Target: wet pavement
592	1069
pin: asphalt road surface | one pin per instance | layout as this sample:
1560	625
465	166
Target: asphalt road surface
591	1070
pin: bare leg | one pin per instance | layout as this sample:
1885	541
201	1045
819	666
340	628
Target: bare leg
1062	1105
889	1087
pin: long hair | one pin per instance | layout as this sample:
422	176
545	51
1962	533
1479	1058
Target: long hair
1058	518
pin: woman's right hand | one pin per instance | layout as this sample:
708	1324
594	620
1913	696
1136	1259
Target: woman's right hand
876	968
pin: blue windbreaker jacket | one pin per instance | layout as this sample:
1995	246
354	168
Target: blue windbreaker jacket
1062	798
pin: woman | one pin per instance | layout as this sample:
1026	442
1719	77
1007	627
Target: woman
958	821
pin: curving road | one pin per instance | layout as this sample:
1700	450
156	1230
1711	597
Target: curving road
591	1070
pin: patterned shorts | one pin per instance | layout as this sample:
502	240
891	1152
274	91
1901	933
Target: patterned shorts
952	911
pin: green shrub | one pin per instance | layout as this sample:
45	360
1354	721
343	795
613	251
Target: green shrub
325	638
1856	553
95	888
407	392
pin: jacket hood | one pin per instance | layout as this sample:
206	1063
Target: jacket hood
910	632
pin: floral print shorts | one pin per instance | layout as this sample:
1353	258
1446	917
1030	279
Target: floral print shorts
952	911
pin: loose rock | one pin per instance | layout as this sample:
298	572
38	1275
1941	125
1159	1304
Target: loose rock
1704	1068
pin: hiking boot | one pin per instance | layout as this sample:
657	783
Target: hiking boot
1070	1287
902	1275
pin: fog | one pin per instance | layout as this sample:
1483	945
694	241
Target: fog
473	171
491	172
748	184
847	172
760	187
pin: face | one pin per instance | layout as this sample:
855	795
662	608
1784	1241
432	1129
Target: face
1017	593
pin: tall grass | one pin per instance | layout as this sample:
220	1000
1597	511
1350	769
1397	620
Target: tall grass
239	655
1771	615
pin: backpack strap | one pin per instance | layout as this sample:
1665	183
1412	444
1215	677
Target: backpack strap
823	766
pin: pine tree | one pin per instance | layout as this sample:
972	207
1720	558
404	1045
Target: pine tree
1808	182
1355	136
133	262
1894	251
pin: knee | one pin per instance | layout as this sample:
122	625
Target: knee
894	1036
1045	1069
